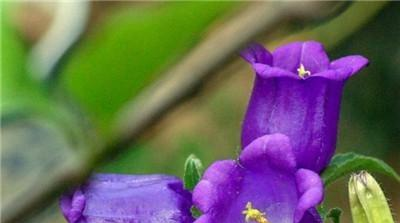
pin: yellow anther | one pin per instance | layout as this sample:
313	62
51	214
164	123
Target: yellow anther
303	73
252	214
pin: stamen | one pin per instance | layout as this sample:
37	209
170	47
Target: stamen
252	214
303	73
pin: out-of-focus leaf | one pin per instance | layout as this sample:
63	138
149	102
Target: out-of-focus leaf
40	138
18	90
21	96
131	47
346	163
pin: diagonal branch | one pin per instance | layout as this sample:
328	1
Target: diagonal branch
182	80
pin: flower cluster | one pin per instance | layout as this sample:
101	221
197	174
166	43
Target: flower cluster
288	138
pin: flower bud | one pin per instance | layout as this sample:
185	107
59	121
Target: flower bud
367	202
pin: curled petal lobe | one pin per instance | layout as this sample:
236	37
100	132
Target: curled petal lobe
72	205
270	150
256	53
219	173
204	203
266	71
355	63
341	74
128	199
311	190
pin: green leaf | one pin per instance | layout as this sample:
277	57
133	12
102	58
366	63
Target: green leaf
130	49
19	92
334	215
346	163
193	172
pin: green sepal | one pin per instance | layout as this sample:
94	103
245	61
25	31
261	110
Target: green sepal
193	172
195	212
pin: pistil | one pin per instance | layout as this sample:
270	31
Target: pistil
253	214
302	72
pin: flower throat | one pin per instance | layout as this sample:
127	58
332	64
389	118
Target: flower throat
302	72
253	214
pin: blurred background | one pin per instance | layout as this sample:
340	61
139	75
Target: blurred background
135	87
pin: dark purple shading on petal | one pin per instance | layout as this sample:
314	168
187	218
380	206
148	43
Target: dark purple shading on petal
128	199
311	216
256	53
266	177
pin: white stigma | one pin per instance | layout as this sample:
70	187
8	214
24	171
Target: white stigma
302	72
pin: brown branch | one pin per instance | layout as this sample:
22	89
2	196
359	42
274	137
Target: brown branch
179	82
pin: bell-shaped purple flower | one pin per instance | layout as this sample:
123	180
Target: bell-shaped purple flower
263	186
128	199
297	92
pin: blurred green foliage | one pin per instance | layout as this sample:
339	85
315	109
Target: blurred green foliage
21	94
128	50
18	90
370	122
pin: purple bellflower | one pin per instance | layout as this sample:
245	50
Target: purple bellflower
128	199
263	186
297	92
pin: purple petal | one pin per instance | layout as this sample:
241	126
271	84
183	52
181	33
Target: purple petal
311	216
129	198
355	63
227	187
311	54
256	53
340	74
220	173
266	71
311	190
269	150
307	111
72	205
205	219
